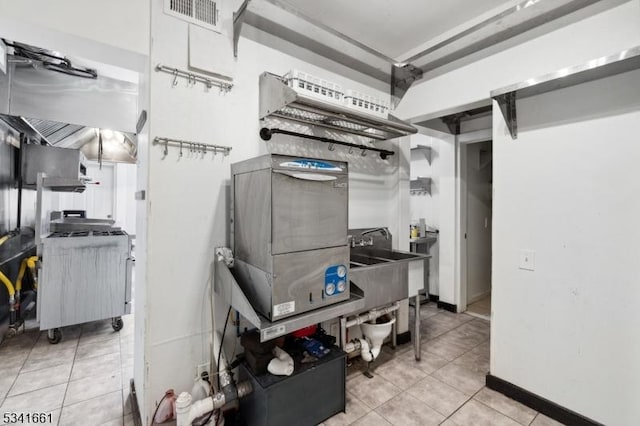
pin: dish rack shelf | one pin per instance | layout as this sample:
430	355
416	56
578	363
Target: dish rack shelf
278	100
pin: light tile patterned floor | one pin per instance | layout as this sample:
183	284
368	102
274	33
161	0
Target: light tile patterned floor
445	387
481	307
83	380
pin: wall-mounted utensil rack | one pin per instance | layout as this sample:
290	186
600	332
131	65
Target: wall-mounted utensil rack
595	69
190	147
193	78
266	134
420	185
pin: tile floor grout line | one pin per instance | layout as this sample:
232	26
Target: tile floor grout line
73	363
122	401
498	411
21	367
462	405
450	330
534	418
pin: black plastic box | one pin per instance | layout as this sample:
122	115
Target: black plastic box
312	394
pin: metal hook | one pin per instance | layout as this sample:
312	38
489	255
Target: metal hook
364	152
332	147
166	148
205	149
180	149
350	150
175	78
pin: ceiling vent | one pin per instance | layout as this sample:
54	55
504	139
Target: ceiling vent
200	12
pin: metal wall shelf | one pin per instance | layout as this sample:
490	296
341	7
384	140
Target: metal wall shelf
425	150
230	291
606	66
279	100
420	185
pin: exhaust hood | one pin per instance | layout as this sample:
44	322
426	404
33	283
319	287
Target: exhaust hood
43	91
278	100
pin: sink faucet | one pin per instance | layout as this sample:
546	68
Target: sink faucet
384	231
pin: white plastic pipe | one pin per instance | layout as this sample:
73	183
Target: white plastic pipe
199	408
282	364
365	351
183	406
200	390
187	410
373	314
363	345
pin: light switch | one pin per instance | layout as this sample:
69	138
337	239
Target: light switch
527	260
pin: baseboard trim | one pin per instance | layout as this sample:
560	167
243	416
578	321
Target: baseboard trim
403	338
538	403
433	297
447	306
135	410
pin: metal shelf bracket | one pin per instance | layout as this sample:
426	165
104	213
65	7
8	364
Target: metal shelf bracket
402	77
425	150
507	103
238	21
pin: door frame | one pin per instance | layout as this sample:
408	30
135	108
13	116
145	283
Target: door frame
462	142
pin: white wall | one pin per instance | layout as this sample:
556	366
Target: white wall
114	32
603	34
567	188
188	198
599	35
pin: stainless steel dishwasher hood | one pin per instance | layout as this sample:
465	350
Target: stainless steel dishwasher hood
290	220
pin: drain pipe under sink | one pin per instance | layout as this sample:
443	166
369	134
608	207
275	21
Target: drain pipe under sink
367	352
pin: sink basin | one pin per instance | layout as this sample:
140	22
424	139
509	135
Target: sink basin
366	260
393	255
388	255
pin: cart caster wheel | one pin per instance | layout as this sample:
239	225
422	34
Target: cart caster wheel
54	336
117	324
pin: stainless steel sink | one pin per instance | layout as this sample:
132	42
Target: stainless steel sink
387	255
379	271
367	260
382	274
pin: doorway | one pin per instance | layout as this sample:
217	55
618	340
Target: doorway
477	173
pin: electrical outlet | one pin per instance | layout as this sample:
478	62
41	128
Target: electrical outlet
202	368
527	260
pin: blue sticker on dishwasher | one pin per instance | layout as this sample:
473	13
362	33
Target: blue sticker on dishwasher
311	164
335	280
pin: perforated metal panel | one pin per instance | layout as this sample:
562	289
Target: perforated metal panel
201	12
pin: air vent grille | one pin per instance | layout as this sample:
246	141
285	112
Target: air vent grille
206	11
183	7
201	12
